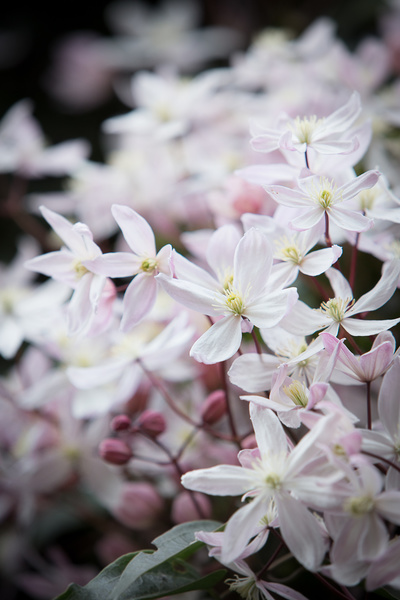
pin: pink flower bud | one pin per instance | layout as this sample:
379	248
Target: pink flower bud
152	422
214	407
115	451
139	505
120	423
183	508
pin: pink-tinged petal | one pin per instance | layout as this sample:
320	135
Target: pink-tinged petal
367	327
115	264
191	295
388	401
221	250
70	234
305	539
163	259
266	174
266	142
344	115
283	591
381	292
349	362
319	261
85	378
58	265
375	362
288	196
317	393
220	342
269	403
350	220
388	506
373	538
139	299
340	285
252	263
303	320
221	480
366	180
183	269
137	232
385	568
268	310
80	310
268	430
253	372
337	147
241	527
168	345
308	220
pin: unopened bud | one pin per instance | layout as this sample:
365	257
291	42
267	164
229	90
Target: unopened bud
120	423
214	407
115	451
152	423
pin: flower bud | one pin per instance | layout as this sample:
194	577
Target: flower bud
120	423
184	509
214	407
152	423
115	451
139	505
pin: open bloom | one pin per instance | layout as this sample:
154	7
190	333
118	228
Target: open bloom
341	309
244	298
320	196
268	473
327	135
144	262
93	294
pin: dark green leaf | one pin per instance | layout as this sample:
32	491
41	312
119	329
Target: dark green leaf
178	542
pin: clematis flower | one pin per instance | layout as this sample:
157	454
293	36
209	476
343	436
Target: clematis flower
368	366
145	263
328	135
244	298
93	294
340	310
268	473
320	197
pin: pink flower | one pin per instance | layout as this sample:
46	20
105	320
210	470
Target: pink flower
273	474
242	297
144	262
93	294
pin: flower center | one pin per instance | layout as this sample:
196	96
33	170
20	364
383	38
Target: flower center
149	265
288	251
358	506
273	481
79	269
296	391
305	127
234	301
245	587
367	199
336	308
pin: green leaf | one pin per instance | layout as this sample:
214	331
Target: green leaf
102	585
152	574
178	542
388	592
172	577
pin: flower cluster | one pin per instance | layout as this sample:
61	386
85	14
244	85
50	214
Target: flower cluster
218	318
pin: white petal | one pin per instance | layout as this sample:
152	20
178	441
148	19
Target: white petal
220	342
